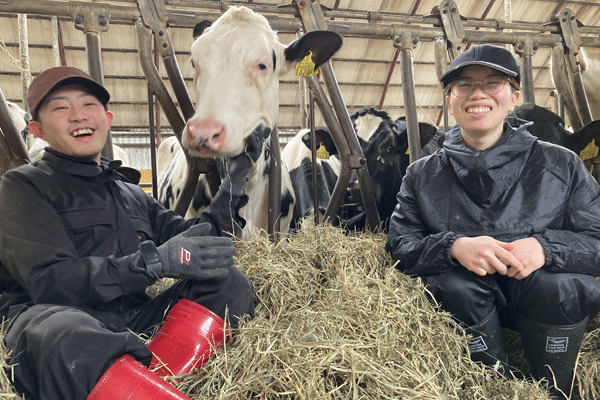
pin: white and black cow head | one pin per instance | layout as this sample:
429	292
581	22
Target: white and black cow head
238	61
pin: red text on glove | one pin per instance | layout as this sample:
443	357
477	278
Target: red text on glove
184	256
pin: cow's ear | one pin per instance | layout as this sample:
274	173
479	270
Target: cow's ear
200	28
322	44
427	132
323	137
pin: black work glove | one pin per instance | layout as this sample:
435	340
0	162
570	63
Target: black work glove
189	255
237	167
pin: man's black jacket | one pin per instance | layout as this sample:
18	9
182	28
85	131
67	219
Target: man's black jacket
71	229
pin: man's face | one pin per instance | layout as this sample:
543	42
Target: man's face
74	122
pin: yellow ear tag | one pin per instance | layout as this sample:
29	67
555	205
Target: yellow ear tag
407	152
590	151
306	67
322	153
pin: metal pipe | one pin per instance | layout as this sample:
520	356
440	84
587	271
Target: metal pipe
339	191
151	121
561	81
580	96
24	55
159	89
525	48
55	46
274	207
441	64
313	18
527	79
313	157
93	53
145	41
377	29
404	43
362	170
388	79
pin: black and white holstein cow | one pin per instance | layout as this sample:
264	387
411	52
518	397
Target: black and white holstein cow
384	144
238	61
549	127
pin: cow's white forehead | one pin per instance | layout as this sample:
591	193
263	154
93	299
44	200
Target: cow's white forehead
239	16
366	125
238	32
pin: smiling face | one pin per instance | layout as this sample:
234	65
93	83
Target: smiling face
481	115
73	122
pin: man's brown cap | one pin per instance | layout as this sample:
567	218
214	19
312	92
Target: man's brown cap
57	77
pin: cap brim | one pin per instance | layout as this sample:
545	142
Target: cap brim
97	90
451	74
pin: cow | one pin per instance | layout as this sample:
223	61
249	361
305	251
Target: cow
237	63
384	144
19	117
296	156
589	60
550	127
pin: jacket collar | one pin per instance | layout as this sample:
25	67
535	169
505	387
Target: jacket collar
80	166
488	173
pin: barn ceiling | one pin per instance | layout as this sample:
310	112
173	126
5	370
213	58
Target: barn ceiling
367	68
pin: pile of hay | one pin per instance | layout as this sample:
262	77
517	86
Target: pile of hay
335	320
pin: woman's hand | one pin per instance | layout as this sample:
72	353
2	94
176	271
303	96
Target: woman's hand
531	254
486	255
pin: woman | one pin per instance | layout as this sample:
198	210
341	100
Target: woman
501	227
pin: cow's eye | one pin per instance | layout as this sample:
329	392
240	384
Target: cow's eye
262	67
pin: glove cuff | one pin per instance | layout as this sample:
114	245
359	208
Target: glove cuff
150	256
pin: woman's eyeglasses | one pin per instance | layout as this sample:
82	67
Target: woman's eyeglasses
490	85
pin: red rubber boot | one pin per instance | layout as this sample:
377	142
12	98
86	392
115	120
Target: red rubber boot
128	379
187	338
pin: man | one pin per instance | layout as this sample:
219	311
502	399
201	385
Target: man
501	227
79	245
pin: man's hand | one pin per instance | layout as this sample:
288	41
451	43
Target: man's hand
531	254
237	167
485	255
190	255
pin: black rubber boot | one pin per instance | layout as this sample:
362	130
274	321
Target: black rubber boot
552	351
487	344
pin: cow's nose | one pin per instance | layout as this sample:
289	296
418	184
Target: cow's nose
205	134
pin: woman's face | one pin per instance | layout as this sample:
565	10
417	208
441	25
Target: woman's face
481	115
